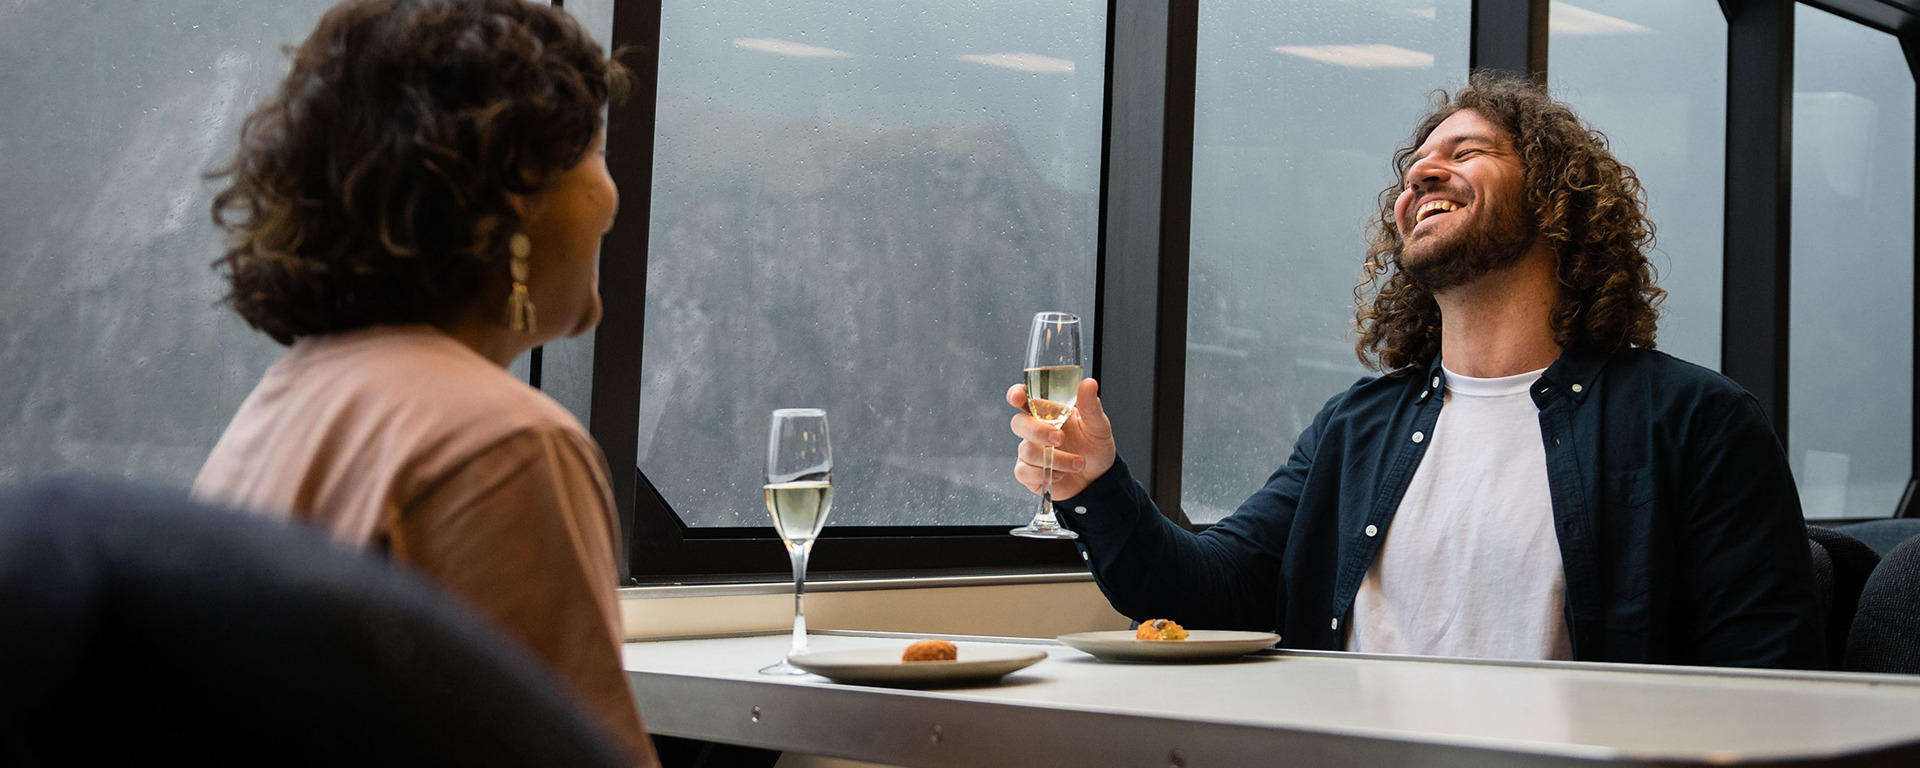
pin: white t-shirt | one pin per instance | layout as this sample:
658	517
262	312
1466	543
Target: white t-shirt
1471	563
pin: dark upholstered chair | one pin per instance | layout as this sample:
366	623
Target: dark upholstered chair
137	628
1886	629
1883	535
1840	568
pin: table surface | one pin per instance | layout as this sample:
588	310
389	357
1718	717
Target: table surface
1315	708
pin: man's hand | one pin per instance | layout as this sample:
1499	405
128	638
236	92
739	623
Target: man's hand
1083	447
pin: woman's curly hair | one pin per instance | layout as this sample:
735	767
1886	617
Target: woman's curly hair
373	187
1589	205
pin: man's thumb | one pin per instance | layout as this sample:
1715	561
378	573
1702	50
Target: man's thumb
1088	403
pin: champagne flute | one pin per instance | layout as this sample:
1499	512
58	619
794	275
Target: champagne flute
1053	383
799	492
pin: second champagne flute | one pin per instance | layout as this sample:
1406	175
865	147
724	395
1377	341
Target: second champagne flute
1053	384
799	492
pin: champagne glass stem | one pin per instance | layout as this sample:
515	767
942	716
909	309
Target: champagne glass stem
799	556
1046	486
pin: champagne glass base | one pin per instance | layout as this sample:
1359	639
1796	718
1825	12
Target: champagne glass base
1038	531
783	668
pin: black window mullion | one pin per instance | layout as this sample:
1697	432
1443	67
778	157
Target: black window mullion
1146	225
1510	36
1755	308
617	342
1910	45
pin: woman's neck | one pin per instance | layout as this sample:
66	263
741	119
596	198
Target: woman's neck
487	336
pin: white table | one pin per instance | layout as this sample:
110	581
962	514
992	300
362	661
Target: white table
1292	708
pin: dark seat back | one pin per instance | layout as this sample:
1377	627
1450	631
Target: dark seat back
138	628
1883	535
1886	629
1841	565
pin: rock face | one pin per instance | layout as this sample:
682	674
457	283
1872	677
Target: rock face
886	274
118	362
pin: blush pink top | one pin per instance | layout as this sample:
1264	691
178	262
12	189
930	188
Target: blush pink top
405	440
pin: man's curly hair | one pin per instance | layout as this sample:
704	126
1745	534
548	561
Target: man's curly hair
373	187
1589	205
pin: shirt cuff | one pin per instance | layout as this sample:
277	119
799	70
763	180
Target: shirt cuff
1112	502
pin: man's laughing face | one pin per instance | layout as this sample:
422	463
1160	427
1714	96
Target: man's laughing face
1460	210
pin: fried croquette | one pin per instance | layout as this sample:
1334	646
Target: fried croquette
931	650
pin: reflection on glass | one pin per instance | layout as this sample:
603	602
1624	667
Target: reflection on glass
118	362
859	205
1300	105
1614	63
1851	366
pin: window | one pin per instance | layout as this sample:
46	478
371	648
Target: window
1851	332
1616	70
1298	110
859	208
118	362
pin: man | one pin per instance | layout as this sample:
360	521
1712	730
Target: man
1528	479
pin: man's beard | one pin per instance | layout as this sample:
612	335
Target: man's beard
1438	263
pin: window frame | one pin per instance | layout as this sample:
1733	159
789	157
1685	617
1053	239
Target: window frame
1142	272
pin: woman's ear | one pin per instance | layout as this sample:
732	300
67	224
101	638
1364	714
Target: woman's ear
519	203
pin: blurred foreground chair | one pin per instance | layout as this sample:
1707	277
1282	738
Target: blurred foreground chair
1886	630
1883	535
138	628
1841	565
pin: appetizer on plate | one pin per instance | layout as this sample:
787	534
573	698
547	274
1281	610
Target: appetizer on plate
1160	629
931	650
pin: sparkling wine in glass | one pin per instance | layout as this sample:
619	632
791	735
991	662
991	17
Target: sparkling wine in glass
1053	383
799	492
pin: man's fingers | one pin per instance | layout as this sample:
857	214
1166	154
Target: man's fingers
1017	396
1029	476
1063	462
1030	429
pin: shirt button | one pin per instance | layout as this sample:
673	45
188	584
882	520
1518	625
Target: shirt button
1575	387
1336	623
1079	510
1085	556
1424	392
1372	531
1417	437
1436	381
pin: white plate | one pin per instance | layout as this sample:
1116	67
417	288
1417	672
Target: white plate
882	666
1200	645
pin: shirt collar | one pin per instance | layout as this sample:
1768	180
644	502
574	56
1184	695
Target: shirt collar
1573	375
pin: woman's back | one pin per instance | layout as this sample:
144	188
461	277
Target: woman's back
349	429
402	440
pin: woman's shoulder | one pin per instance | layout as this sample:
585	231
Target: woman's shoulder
423	382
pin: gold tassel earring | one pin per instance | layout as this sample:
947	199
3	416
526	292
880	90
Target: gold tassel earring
519	304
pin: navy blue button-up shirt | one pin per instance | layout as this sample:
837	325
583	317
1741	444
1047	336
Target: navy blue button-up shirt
1679	526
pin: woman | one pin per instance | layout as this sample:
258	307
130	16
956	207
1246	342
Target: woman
421	202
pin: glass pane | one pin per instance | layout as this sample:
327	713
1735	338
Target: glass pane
118	362
1299	108
858	207
1614	62
1850	374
